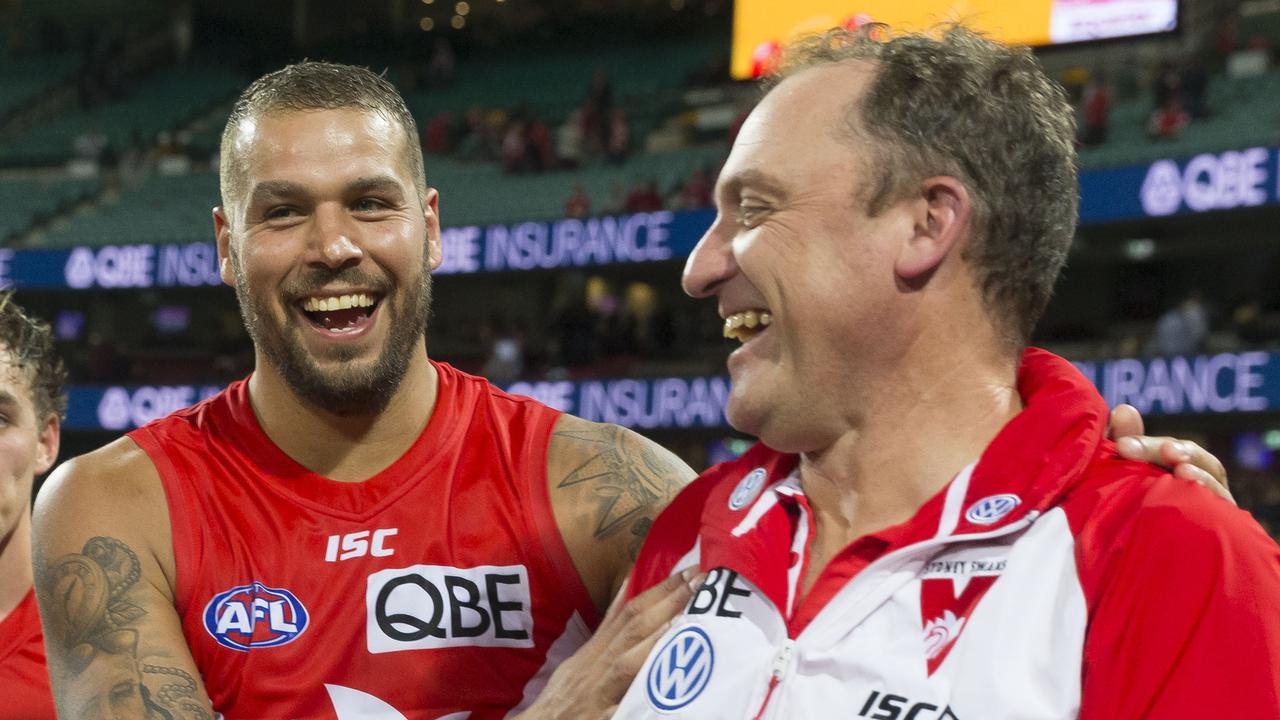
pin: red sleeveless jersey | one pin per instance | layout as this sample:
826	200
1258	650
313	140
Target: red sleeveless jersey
24	680
438	588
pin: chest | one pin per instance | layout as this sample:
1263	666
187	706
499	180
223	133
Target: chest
442	601
972	630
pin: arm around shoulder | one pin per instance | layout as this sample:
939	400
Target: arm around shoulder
104	569
1185	616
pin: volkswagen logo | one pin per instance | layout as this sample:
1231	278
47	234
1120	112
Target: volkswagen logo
681	669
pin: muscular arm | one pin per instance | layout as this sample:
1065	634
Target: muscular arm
607	485
113	638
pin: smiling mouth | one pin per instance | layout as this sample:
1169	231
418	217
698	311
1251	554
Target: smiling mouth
340	313
742	326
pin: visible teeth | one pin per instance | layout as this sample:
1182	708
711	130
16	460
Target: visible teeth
743	325
341	302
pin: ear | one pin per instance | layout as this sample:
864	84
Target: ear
431	213
49	439
222	231
942	215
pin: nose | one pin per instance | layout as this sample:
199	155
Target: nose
335	238
711	263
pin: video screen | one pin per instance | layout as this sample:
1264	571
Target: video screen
761	28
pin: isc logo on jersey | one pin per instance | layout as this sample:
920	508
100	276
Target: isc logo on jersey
423	607
255	616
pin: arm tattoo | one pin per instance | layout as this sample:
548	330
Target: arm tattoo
631	480
92	618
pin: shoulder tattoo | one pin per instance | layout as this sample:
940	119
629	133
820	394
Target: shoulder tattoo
93	616
631	479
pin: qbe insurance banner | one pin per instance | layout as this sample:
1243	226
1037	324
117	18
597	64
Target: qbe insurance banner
1245	382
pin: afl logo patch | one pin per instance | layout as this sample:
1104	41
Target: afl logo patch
255	616
990	509
747	490
681	670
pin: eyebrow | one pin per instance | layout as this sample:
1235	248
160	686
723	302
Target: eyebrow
376	184
7	398
755	179
268	190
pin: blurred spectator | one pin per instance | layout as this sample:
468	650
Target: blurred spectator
476	142
1182	330
506	356
540	155
617	202
619	142
514	151
1252	326
90	144
578	205
596	112
438	137
1096	105
442	63
569	140
696	191
644	198
1195	88
1169	120
1168	84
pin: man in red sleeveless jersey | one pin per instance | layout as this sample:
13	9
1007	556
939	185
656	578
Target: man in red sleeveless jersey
32	403
355	530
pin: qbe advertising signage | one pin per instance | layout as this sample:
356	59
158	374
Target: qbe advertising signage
1202	384
1222	181
1230	180
566	243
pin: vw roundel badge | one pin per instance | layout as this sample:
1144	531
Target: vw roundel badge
747	490
255	616
681	670
990	509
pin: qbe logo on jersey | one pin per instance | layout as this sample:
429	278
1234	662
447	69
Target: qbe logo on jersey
423	607
255	616
681	669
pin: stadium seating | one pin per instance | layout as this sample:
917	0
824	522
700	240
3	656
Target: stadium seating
25	202
157	103
176	209
26	77
1244	112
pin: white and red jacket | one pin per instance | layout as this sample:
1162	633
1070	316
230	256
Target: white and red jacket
1049	580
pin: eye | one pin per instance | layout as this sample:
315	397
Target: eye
749	215
368	204
281	212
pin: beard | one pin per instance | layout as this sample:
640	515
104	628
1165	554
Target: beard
349	390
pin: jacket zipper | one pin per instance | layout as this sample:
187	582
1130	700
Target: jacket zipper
780	661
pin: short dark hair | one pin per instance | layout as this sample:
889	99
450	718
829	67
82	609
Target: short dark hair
951	102
311	85
28	344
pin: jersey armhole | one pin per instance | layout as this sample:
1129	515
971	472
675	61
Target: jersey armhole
188	550
557	553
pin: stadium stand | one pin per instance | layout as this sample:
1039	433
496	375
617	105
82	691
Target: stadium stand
160	103
26	77
27	202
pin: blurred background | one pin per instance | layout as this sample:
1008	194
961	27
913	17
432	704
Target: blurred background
575	144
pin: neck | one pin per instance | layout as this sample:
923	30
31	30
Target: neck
344	448
928	417
15	564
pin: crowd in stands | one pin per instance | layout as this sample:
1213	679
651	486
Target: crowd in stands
1179	87
524	142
